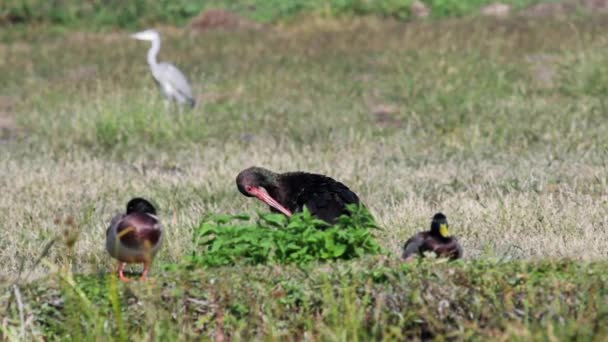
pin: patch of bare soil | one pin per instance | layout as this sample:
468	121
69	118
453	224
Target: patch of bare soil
385	115
11	19
8	126
496	10
543	69
221	19
80	73
563	8
419	9
595	5
220	97
79	37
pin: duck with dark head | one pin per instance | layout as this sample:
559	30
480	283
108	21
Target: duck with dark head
289	192
135	236
437	240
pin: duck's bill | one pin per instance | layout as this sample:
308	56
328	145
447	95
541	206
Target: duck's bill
261	194
443	231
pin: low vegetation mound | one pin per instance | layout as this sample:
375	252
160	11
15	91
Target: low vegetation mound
134	14
220	239
368	299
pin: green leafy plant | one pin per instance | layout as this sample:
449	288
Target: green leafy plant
275	238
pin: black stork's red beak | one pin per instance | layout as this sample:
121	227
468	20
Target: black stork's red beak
261	194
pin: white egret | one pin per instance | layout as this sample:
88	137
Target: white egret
172	83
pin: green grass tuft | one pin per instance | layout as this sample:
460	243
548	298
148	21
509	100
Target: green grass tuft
373	299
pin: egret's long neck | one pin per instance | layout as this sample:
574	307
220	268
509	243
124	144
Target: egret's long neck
153	52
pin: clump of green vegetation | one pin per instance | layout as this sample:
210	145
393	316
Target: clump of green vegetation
274	238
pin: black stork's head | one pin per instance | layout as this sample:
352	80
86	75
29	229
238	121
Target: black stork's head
439	226
255	182
140	205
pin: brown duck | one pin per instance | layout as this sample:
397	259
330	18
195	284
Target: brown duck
134	237
437	240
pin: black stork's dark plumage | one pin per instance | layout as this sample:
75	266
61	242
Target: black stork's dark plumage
437	240
135	236
289	192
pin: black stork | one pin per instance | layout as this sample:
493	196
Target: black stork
437	240
134	237
289	192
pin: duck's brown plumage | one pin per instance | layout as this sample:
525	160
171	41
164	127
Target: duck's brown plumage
425	242
433	241
134	237
138	231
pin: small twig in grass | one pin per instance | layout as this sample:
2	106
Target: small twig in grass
21	268
201	303
219	320
45	252
507	253
174	217
115	302
20	307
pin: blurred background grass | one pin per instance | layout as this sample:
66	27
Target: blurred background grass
97	14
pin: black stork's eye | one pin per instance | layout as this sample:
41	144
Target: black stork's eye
248	188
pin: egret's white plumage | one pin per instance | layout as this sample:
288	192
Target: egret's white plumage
171	81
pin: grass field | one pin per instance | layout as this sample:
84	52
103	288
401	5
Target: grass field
501	125
108	14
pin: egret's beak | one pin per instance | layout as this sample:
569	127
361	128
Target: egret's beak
261	194
145	35
137	36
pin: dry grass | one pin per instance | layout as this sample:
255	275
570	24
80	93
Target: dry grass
517	165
